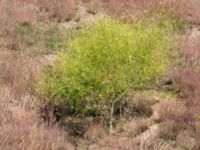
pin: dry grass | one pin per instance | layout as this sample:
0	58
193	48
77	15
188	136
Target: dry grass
136	126
62	10
22	14
21	72
188	82
93	5
20	128
125	143
186	78
15	13
15	42
28	12
191	49
131	8
187	10
96	132
173	116
192	52
139	105
171	110
169	130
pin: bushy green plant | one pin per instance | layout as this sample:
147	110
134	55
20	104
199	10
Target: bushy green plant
105	62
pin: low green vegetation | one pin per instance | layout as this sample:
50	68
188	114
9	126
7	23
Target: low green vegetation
52	39
104	63
38	37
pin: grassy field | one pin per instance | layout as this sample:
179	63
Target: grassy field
99	74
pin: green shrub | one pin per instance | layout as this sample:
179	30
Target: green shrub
105	62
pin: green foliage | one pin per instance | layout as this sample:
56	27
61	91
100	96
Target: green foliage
26	33
176	23
39	37
24	30
52	39
105	62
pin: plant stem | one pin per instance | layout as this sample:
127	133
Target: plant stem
112	112
111	118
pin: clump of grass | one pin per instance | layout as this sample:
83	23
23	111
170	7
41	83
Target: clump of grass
52	39
105	62
36	37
